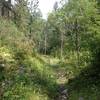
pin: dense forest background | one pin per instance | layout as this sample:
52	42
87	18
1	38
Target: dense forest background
53	59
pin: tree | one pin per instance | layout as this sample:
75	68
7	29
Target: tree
32	5
22	12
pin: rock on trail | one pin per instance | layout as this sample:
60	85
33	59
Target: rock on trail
62	93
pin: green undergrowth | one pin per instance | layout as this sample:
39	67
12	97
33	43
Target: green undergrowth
25	78
85	85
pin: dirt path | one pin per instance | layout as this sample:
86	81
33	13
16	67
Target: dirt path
61	80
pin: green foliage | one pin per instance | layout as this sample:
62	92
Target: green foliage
24	75
71	34
22	15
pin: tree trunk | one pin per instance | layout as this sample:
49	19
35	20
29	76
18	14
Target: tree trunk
62	42
45	44
77	41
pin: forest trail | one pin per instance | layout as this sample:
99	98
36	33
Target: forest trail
60	73
61	81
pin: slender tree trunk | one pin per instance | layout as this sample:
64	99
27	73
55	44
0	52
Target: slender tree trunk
39	45
62	42
1	92
77	41
30	31
45	44
2	11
